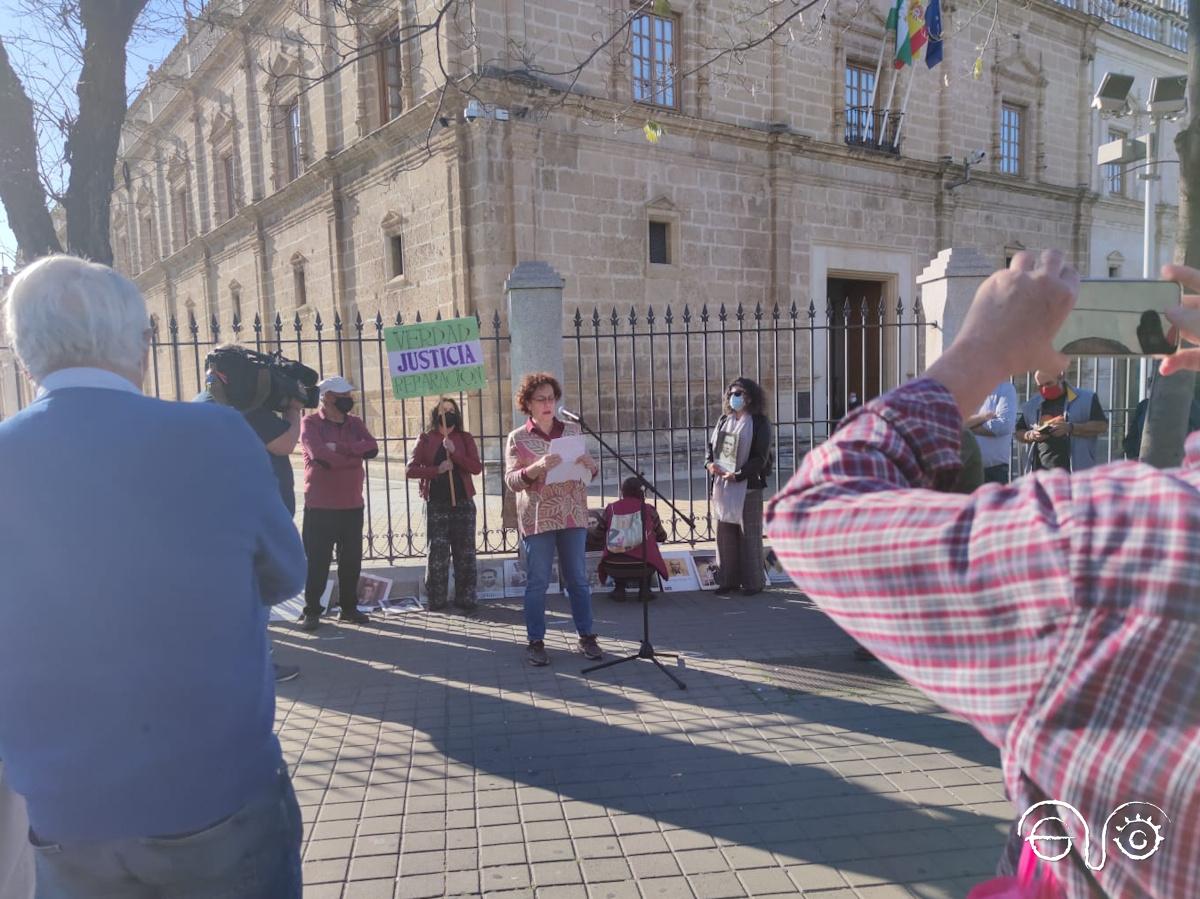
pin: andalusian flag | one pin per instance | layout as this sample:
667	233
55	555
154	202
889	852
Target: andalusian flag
913	24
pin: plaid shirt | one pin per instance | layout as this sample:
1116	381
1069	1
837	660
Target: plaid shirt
1057	615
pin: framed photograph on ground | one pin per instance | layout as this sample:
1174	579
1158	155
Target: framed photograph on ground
707	571
774	570
593	562
682	573
402	605
490	580
515	577
372	591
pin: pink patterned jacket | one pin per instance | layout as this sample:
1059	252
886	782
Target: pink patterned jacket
542	507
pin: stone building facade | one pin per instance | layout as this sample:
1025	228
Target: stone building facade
265	172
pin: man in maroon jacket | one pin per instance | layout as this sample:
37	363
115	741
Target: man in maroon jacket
335	443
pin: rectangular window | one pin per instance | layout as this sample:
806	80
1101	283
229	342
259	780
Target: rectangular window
1114	172
388	75
229	184
299	286
860	118
235	303
147	241
182	232
653	59
1114	271
396	254
660	243
291	124
1012	139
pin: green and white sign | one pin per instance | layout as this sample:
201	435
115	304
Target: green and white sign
435	358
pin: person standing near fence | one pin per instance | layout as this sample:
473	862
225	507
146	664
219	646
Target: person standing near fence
739	461
445	459
335	443
1061	425
993	425
550	517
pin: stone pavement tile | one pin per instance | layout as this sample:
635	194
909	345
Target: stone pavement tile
717	886
422	886
341	811
601	870
523	893
423	841
574	809
542	811
373	866
428	821
488	817
816	877
666	888
597	847
556	873
422	863
582	827
462	883
764	881
493	856
462	860
701	861
419	804
330	830
388	824
460	818
550	850
325	891
508	877
631	824
502	833
661	864
320	850
688	839
954	888
883	891
331	871
565	891
627	890
747	857
644	844
462	838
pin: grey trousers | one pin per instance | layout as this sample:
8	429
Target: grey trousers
740	550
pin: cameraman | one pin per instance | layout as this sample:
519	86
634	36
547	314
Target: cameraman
279	434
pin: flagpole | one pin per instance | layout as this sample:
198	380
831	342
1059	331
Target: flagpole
904	105
878	72
888	109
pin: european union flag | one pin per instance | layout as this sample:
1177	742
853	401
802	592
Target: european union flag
933	27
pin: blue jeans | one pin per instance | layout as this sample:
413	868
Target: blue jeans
571	544
252	854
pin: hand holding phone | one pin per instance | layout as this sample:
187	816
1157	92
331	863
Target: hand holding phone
1121	318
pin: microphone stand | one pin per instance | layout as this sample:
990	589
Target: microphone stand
646	649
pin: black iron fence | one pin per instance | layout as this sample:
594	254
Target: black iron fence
650	382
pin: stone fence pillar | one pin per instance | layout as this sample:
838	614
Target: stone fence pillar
535	323
948	286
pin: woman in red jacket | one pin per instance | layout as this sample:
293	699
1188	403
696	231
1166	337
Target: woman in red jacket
445	459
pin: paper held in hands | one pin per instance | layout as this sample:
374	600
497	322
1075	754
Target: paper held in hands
568	449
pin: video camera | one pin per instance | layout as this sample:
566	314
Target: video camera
246	380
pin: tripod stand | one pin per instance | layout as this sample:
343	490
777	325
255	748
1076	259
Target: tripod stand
646	649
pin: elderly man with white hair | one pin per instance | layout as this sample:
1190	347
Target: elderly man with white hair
142	543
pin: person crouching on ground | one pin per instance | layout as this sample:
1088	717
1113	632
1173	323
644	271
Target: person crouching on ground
444	460
627	554
335	443
550	517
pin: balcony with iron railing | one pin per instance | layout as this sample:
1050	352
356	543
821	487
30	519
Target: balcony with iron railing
871	129
1162	21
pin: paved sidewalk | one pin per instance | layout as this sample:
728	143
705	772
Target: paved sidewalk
431	760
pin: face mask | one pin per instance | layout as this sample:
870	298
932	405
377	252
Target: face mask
737	403
451	420
1051	391
344	404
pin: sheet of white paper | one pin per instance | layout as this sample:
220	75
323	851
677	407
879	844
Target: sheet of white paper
570	449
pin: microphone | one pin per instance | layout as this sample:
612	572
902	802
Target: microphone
569	416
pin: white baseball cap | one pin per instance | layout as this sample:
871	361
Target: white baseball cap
336	384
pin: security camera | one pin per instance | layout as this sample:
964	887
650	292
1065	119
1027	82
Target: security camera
473	111
975	157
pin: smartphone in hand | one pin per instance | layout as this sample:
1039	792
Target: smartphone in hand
1120	318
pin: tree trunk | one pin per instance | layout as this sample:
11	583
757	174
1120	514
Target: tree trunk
1171	398
21	189
94	136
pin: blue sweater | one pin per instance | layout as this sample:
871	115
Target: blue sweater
141	542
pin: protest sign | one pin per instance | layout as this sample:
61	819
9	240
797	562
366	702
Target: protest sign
435	358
